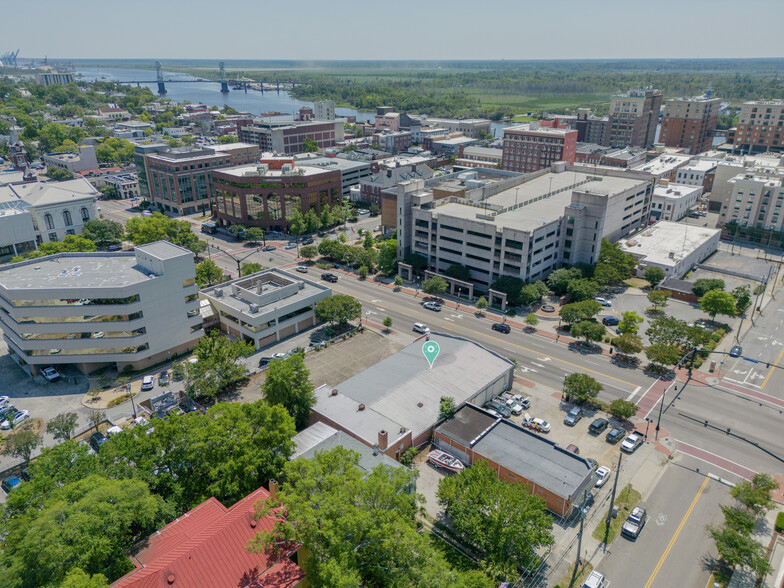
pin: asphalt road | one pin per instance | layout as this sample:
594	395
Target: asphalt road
672	547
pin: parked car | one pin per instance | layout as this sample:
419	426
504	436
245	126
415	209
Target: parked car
308	241
15	420
96	440
50	373
736	351
499	408
432	306
610	321
502	328
536	424
634	523
148	383
573	448
264	362
603	301
270	248
594	580
329	278
421	328
524	401
514	406
615	435
573	416
303	269
602	475
4	401
631	443
10	483
363	211
290	246
279	355
598	426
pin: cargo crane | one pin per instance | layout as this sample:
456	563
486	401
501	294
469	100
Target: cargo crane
9	59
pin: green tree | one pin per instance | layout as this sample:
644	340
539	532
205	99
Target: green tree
531	293
659	298
705	285
738	549
387	257
103	232
387	323
308	251
62	426
312	221
288	383
398	282
226	139
742	295
237	229
362	272
668	330
579	311
481	304
458	271
447	407
510	286
581	387
654	275
583	289
21	444
58	174
219	365
622	409
114	150
434	286
718	302
96	417
208	273
612	255
531	320
309	145
254	234
607	275
755	495
628	343
663	354
630	323
250	268
416	261
78	578
504	522
589	330
338	308
146	229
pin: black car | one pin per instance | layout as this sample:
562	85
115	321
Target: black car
736	351
598	426
96	440
610	321
307	241
502	328
615	435
264	362
329	278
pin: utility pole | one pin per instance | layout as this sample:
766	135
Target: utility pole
612	499
580	534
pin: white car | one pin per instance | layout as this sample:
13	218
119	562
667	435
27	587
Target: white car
148	382
602	475
4	401
98	335
279	355
524	401
303	269
290	246
536	424
603	301
18	418
421	328
631	443
50	374
432	306
514	406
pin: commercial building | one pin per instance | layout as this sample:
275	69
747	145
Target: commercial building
17	235
526	230
665	167
689	123
91	310
324	110
756	199
352	172
57	209
592	129
393	141
405	169
696	173
673	247
52	78
672	202
395	403
289	136
724	196
180	179
139	151
207	547
518	456
634	117
261	196
266	307
84	160
475	128
593	154
125	185
474	156
113	114
760	125
534	146
451	146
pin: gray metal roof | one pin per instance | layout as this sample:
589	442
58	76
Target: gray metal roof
467	425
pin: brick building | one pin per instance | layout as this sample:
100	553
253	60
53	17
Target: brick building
759	127
180	180
634	117
534	146
268	194
288	137
592	129
689	123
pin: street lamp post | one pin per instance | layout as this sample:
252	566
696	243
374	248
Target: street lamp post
661	406
647	424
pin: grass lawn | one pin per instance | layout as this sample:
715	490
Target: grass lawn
523	118
568	581
637	283
626	500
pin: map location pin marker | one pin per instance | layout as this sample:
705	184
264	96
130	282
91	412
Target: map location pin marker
431	349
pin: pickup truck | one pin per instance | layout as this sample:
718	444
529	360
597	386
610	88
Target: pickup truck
329	278
634	523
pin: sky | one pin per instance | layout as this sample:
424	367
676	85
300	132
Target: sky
396	30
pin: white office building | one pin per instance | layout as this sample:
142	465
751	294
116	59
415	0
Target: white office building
266	307
672	202
90	310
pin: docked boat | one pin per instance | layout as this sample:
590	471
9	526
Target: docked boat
441	459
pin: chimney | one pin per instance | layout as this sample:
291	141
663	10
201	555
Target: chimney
273	488
382	440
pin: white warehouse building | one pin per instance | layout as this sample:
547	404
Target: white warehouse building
129	308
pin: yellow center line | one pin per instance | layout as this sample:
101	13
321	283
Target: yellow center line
677	532
541	353
770	371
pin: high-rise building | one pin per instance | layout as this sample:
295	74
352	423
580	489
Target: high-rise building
324	110
760	126
633	118
289	136
688	123
592	129
534	146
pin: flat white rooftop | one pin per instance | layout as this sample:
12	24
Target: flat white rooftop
658	241
663	163
675	191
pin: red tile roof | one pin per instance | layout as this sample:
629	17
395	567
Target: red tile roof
205	548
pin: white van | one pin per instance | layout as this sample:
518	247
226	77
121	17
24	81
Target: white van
595	580
421	328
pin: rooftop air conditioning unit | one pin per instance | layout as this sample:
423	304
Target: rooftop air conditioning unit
218	292
253	308
287	167
262	169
